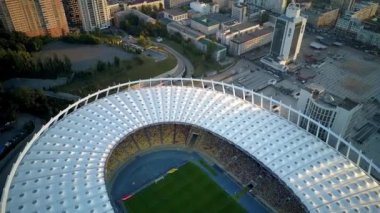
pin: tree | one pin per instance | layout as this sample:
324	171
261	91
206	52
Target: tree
211	47
100	66
143	41
116	61
68	64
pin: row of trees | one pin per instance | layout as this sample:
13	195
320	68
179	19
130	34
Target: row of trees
28	101
90	38
152	11
20	64
19	41
16	58
133	26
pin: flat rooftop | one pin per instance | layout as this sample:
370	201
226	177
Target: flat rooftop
249	36
175	11
321	96
204	20
243	26
346	72
185	29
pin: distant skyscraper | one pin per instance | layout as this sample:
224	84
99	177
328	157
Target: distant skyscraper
72	12
277	6
288	34
239	12
94	14
343	5
35	18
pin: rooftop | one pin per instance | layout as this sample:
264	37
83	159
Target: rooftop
133	2
249	36
243	26
185	29
204	20
68	155
320	95
175	11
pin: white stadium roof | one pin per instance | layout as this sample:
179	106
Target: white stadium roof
62	168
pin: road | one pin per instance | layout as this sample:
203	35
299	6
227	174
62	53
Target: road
181	60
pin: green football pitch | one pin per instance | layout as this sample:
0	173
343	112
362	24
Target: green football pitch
188	189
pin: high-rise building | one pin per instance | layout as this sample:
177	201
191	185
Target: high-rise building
94	14
34	18
175	3
72	13
343	5
277	6
288	34
239	12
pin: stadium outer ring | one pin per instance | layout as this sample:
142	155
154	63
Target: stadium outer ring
257	99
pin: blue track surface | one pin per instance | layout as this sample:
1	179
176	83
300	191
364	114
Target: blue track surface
147	167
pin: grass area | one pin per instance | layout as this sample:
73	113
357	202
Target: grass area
208	167
187	190
141	67
201	66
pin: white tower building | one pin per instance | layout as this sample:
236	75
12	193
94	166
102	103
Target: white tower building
288	34
95	14
329	110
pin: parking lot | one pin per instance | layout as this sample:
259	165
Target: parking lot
347	72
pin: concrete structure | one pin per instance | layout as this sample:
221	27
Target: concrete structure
239	12
34	18
224	36
287	38
62	168
137	4
276	6
320	19
364	10
114	8
247	42
205	25
72	13
223	4
184	31
200	7
347	26
175	3
331	111
368	36
219	53
176	14
342	5
95	14
351	23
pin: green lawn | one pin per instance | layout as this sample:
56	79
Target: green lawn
129	70
187	190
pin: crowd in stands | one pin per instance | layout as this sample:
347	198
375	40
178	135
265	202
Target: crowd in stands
238	164
141	139
154	134
167	132
181	134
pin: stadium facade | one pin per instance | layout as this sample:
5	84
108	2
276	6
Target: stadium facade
62	167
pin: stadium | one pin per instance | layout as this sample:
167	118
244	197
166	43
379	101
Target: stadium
289	161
